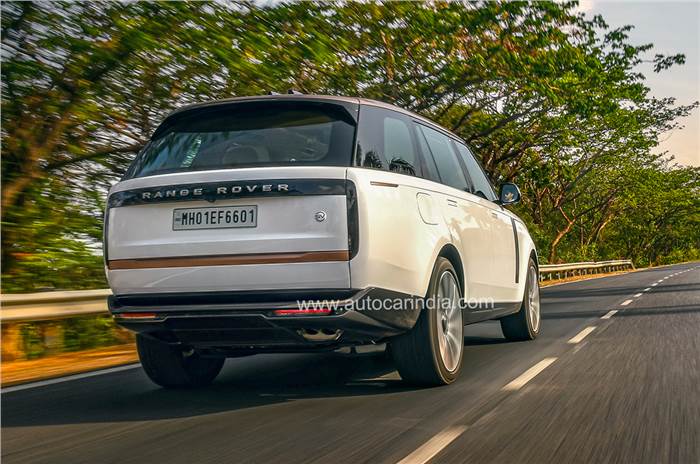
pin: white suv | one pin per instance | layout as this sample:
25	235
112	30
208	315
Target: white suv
292	223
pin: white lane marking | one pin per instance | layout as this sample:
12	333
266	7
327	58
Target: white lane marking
609	314
525	377
637	295
646	289
68	378
625	303
582	334
654	284
433	446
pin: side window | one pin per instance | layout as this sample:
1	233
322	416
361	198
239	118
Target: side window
482	186
429	166
446	159
384	141
398	146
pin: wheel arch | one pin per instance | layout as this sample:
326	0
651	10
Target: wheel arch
450	252
533	255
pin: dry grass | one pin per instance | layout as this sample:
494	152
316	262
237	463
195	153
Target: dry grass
16	372
547	283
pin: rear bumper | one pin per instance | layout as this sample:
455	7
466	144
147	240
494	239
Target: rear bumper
247	322
254	277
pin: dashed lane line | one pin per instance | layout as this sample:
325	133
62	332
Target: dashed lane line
625	303
433	446
582	334
609	314
525	377
437	443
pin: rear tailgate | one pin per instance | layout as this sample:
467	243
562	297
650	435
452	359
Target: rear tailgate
175	233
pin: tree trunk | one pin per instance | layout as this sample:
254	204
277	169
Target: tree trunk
560	235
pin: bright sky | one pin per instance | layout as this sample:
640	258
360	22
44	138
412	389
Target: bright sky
672	26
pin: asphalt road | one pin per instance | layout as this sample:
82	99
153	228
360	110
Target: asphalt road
626	391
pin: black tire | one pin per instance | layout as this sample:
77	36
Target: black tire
416	353
170	367
521	326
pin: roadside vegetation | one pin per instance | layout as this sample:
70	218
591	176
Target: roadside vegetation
548	98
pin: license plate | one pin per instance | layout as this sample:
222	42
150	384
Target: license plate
224	217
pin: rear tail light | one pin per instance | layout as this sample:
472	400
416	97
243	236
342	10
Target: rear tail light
302	312
353	218
136	316
105	229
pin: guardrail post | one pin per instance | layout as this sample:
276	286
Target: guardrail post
12	343
53	337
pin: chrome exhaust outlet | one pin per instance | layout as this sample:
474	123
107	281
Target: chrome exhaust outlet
320	335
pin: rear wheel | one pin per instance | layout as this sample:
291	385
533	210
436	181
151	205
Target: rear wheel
171	367
525	324
431	353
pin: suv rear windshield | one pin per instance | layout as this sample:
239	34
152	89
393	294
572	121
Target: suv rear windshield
249	135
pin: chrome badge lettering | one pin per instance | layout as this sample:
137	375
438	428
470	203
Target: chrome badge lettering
211	192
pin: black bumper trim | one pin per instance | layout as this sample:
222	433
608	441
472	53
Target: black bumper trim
228	299
248	319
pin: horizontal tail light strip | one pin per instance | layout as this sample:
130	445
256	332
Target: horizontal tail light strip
302	312
229	260
136	316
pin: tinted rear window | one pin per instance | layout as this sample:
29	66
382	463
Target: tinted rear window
249	135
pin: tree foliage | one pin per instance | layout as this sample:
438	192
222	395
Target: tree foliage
548	98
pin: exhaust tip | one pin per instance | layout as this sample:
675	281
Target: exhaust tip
322	335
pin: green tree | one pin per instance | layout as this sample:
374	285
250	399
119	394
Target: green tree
547	97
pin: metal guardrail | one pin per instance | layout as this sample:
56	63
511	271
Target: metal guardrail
562	271
52	305
58	305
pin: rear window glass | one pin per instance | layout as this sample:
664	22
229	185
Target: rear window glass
249	135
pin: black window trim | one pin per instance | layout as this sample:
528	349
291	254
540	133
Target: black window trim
451	138
421	172
465	170
420	120
424	156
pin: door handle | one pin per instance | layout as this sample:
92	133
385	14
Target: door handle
494	214
451	202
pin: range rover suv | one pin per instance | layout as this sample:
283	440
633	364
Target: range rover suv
294	223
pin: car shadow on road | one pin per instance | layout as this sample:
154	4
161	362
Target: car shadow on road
243	383
250	382
476	340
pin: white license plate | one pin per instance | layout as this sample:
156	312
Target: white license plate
224	217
